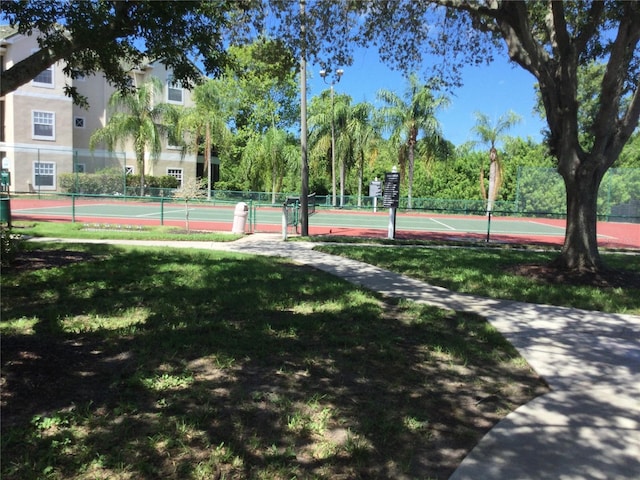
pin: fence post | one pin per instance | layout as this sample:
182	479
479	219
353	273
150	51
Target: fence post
124	175
255	218
161	211
37	177
608	207
74	169
284	221
297	214
488	226
516	200
73	208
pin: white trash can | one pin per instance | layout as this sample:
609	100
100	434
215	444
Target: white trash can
240	218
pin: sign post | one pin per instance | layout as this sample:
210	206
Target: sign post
391	199
375	190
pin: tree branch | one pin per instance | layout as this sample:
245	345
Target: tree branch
58	45
30	67
630	121
613	81
590	27
512	23
560	38
613	84
523	47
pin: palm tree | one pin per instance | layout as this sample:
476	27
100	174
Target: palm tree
207	121
271	153
325	116
363	137
352	133
407	117
490	133
344	124
136	116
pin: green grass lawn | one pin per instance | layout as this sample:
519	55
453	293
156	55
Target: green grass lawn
128	363
116	232
132	363
488	272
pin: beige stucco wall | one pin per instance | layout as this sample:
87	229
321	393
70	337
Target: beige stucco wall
70	146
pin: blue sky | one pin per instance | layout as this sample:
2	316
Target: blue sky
492	90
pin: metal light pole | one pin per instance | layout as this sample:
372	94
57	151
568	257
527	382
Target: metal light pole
493	172
304	170
323	74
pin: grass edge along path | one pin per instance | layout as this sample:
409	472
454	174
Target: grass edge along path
508	273
148	363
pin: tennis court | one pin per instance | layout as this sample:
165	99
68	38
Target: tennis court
426	222
153	212
218	216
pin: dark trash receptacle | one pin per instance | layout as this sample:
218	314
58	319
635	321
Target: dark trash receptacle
5	210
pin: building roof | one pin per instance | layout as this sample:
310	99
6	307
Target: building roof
7	31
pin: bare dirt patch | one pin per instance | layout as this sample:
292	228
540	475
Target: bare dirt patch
39	259
554	275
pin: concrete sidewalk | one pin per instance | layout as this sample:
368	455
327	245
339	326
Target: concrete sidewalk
587	427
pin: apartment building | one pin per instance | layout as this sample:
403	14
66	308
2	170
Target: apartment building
44	134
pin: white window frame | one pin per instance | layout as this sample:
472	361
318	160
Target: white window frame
37	167
82	120
34	135
171	85
36	83
177	173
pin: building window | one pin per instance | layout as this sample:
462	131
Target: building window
78	122
175	172
173	143
44	175
174	93
43	125
44	78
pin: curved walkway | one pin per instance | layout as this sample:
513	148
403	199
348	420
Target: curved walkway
587	427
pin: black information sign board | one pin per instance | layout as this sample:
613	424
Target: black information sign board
391	195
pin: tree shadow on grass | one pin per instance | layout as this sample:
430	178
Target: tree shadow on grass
201	365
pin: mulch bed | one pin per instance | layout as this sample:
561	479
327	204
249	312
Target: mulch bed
554	275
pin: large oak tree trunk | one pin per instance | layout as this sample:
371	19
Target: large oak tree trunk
580	249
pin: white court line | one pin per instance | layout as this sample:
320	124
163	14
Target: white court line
443	224
545	224
600	235
152	214
180	212
39	209
90	205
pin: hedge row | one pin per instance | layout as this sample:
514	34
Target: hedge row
111	182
